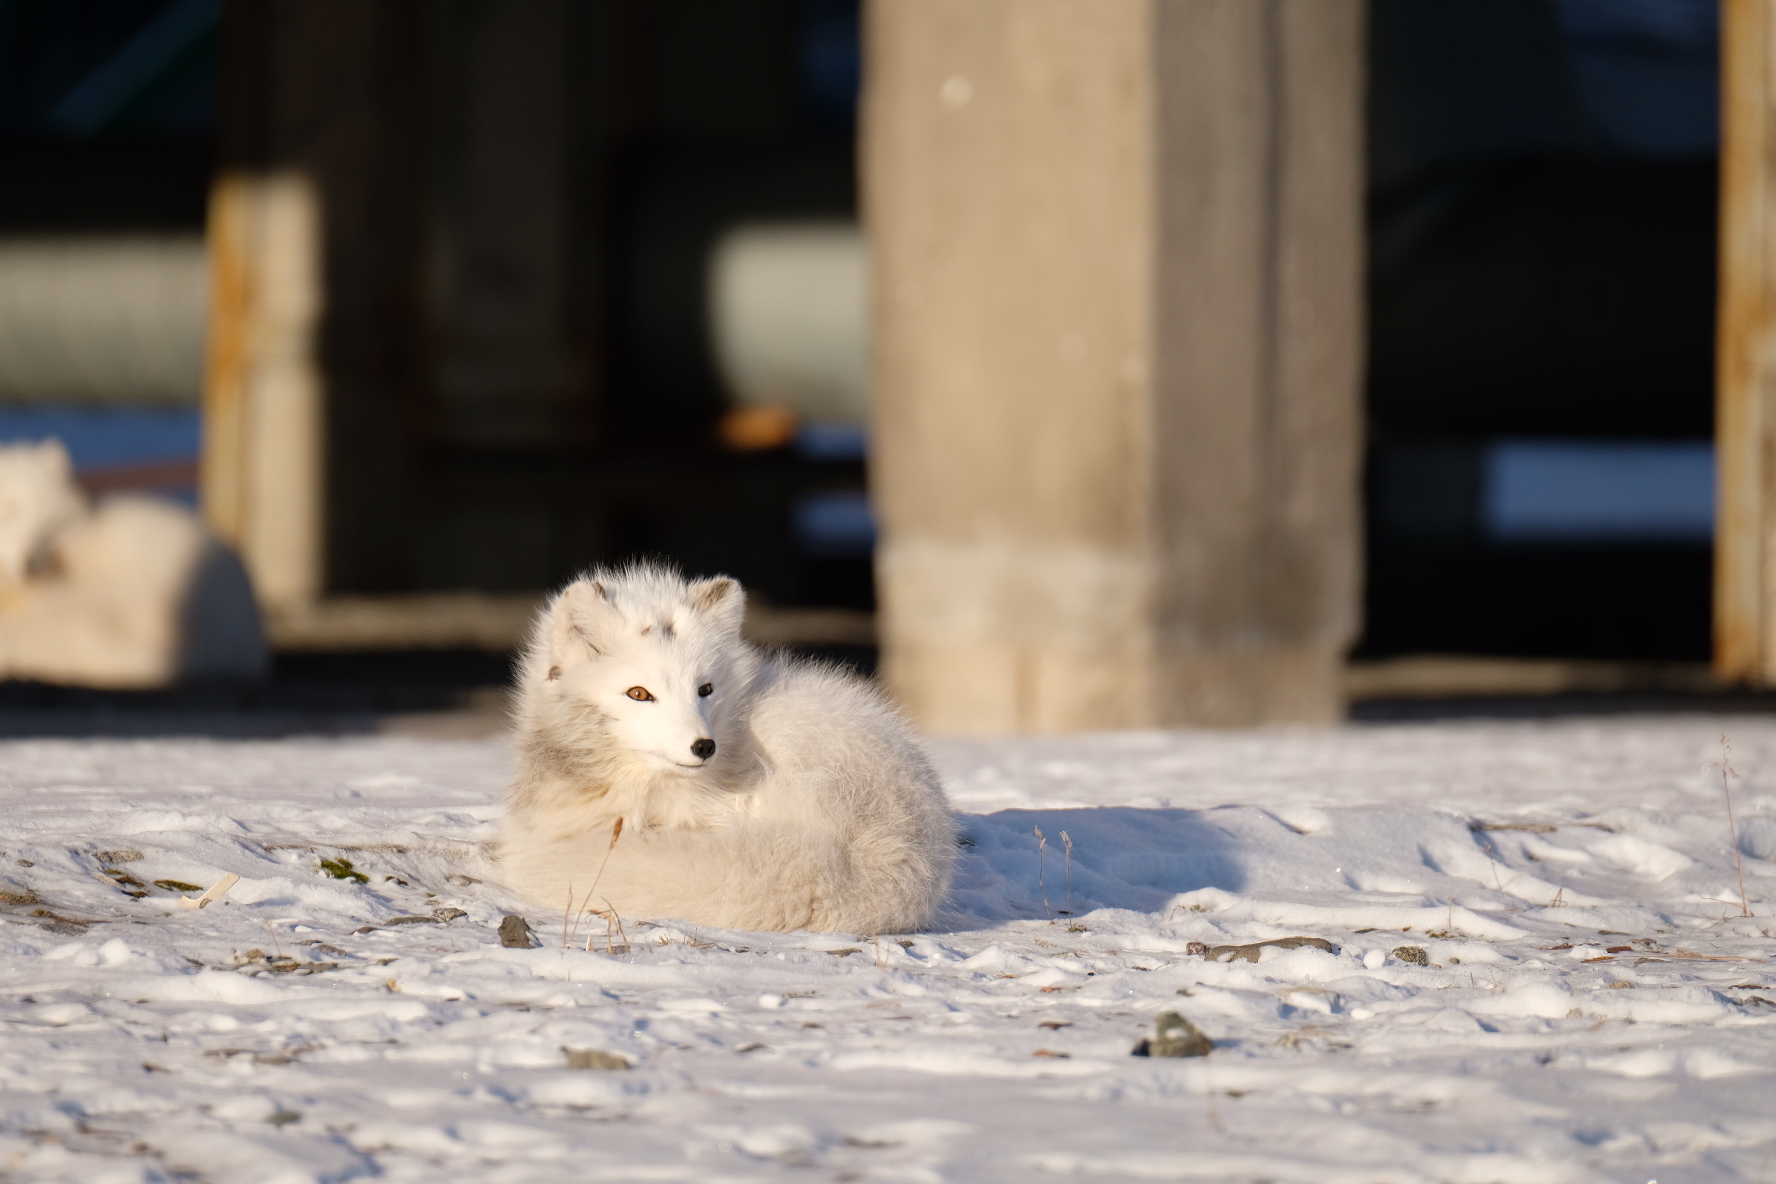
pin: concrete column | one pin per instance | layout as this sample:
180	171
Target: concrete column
1117	266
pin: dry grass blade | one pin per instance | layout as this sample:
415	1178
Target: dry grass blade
612	920
567	938
1727	771
1067	842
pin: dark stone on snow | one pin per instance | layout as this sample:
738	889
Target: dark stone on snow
1175	1036
592	1058
1249	953
515	933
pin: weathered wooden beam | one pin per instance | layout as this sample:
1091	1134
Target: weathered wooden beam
1745	581
262	467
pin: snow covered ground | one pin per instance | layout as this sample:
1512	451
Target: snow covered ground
1592	1008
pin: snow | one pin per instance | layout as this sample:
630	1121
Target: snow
310	1028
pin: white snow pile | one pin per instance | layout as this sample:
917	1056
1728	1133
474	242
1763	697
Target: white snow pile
1592	1005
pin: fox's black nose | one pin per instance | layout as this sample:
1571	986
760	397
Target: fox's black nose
703	749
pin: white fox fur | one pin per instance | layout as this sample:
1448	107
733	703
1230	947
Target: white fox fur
130	593
37	498
816	809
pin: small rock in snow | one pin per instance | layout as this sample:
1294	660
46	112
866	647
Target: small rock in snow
1414	955
515	933
13	892
1175	1037
1249	952
592	1058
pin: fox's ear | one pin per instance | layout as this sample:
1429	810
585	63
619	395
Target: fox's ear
721	599
54	456
580	621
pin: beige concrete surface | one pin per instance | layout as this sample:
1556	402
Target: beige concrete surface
1117	280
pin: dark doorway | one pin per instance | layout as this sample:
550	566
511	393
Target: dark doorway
1542	261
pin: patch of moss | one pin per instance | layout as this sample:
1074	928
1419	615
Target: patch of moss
178	886
342	869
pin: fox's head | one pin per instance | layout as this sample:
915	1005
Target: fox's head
652	662
37	497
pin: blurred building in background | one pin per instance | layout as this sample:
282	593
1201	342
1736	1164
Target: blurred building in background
1206	344
1542	180
107	125
489	277
502	269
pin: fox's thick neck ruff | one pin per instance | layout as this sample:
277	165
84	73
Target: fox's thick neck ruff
582	777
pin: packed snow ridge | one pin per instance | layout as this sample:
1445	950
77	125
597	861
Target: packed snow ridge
1539	971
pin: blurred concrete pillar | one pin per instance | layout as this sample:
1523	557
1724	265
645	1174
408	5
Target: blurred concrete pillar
1745	421
1117	251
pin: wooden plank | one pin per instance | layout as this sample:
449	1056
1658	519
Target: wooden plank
1745	650
501	622
262	452
1448	676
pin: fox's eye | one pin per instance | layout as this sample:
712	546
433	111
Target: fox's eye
640	694
705	689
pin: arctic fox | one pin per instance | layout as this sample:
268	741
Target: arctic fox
754	791
132	592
